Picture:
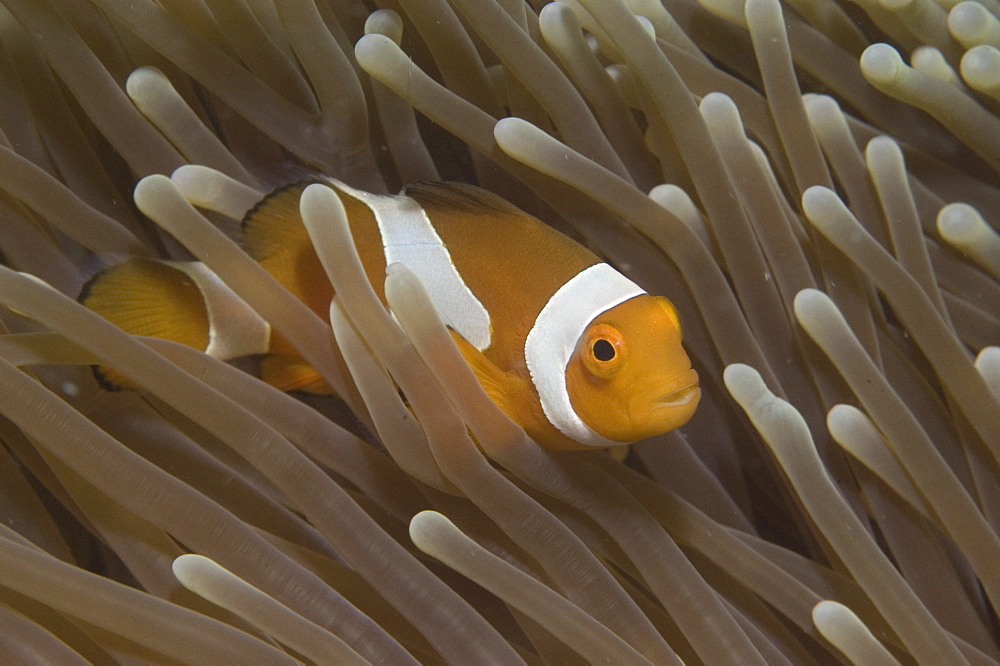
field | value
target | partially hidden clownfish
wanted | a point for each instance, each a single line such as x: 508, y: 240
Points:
x: 567, y: 346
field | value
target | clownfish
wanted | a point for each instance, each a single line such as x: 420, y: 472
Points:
x: 567, y: 346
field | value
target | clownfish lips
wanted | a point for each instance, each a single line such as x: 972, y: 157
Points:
x: 667, y: 406
x: 680, y: 398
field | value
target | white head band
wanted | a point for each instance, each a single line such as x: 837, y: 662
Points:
x: 555, y: 334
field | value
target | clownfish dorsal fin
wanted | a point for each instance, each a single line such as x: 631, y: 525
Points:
x: 459, y: 198
x: 274, y: 224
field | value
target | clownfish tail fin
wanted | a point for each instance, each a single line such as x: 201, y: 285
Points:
x: 291, y: 373
x: 151, y: 298
x: 110, y: 379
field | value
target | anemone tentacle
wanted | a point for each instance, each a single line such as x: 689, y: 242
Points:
x: 814, y: 184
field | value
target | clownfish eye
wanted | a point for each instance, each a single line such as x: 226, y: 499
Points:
x: 603, y: 350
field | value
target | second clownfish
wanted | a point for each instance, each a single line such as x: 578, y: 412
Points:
x: 567, y: 346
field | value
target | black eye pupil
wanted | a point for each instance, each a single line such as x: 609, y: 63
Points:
x: 603, y: 350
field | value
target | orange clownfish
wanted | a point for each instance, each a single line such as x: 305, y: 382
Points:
x: 568, y: 347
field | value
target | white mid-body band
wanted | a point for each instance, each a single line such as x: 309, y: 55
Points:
x: 554, y: 336
x: 409, y: 238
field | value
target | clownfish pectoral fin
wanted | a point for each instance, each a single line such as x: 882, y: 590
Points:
x: 499, y: 385
x: 619, y: 453
x: 291, y: 373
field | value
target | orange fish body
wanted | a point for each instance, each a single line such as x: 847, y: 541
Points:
x: 566, y: 345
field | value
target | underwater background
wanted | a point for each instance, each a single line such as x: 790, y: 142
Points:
x: 814, y: 184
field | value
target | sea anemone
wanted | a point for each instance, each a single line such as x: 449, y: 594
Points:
x: 823, y: 215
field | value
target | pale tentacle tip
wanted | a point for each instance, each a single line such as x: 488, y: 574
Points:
x: 881, y: 63
x: 819, y: 106
x: 717, y: 102
x: 507, y: 128
x: 818, y: 199
x: 153, y: 190
x: 808, y: 297
x: 370, y: 49
x: 317, y: 199
x: 194, y: 178
x: 744, y: 383
x: 812, y: 307
x: 968, y: 21
x: 882, y: 143
x: 385, y: 22
x: 424, y: 525
x: 988, y: 365
x: 980, y: 67
x: 186, y: 566
x: 956, y: 221
x: 142, y: 79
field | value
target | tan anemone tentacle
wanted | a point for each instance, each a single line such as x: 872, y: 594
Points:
x: 151, y: 91
x: 399, y: 122
x: 785, y: 432
x: 106, y: 104
x: 179, y: 509
x: 128, y: 612
x: 282, y: 488
x: 976, y: 126
x: 841, y: 626
x: 438, y: 537
x: 957, y: 513
x: 159, y: 198
x: 952, y: 363
x: 538, y: 149
x: 323, y: 440
x: 206, y: 578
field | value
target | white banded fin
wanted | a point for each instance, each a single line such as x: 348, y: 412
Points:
x: 554, y: 336
x: 409, y: 238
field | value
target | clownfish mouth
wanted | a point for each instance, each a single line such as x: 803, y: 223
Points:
x: 668, y: 405
x: 679, y: 391
x: 680, y: 398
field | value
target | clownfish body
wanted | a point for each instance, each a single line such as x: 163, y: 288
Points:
x: 567, y: 346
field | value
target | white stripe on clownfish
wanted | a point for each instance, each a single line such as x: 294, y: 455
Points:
x: 409, y: 238
x: 554, y: 336
x: 252, y: 336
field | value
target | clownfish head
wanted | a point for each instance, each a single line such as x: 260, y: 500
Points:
x: 629, y: 377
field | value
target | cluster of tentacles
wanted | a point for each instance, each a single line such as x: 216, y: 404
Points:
x: 823, y: 214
